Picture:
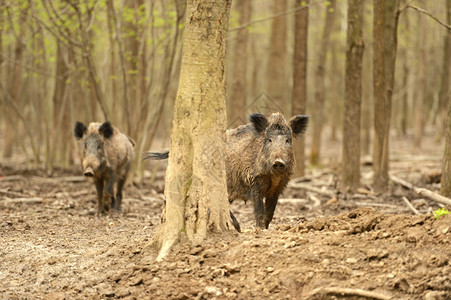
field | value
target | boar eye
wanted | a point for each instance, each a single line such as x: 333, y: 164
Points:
x: 288, y: 141
x: 270, y: 140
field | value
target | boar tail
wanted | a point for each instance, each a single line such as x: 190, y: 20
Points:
x: 156, y: 155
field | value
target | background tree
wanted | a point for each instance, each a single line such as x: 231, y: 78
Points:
x: 445, y: 187
x: 320, y: 86
x: 277, y: 66
x: 353, y: 96
x: 195, y: 191
x: 299, y: 92
x: 385, y: 34
x: 238, y: 89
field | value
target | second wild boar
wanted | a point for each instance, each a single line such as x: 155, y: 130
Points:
x: 107, y: 157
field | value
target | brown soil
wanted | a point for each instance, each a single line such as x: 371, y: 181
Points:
x: 53, y: 246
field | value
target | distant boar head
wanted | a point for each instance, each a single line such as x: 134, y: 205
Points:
x: 277, y: 153
x: 93, y: 160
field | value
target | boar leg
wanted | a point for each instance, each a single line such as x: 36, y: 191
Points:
x: 259, y: 210
x: 270, y: 206
x: 120, y: 186
x: 235, y: 222
x: 108, y: 194
x: 99, y: 187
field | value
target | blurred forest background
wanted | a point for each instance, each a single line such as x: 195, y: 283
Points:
x: 63, y: 61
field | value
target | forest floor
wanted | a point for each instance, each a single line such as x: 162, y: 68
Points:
x: 324, y: 245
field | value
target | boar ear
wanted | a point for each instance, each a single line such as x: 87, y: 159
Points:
x: 79, y: 130
x: 299, y: 124
x: 259, y: 121
x: 106, y: 130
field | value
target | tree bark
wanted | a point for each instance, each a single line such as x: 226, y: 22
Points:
x: 320, y: 86
x: 276, y: 72
x: 353, y: 96
x: 238, y: 91
x: 299, y: 92
x: 196, y: 192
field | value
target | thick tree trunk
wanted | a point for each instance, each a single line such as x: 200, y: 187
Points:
x: 385, y: 28
x: 353, y: 96
x: 445, y: 188
x: 238, y: 91
x: 320, y: 86
x: 196, y: 192
x: 299, y: 93
x: 277, y: 71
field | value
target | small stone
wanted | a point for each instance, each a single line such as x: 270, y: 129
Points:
x: 351, y: 260
x: 391, y: 276
x: 212, y: 290
x: 290, y: 245
x: 269, y: 269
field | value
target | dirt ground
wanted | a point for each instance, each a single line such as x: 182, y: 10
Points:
x: 353, y: 246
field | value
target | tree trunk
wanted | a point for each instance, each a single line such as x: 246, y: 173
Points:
x: 15, y: 86
x: 276, y: 72
x: 61, y: 109
x: 367, y: 83
x: 420, y: 85
x: 445, y: 90
x: 299, y: 92
x: 196, y: 192
x: 320, y: 86
x: 385, y: 28
x: 353, y: 96
x: 238, y: 91
x: 445, y: 187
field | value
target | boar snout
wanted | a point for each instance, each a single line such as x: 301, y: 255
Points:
x: 278, y: 165
x: 89, y: 172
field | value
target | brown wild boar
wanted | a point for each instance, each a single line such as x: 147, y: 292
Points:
x: 259, y: 161
x: 107, y: 158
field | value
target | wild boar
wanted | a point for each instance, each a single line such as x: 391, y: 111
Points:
x: 107, y: 157
x: 259, y: 162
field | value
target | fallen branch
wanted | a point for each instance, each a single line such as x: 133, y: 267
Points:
x: 433, y: 196
x: 347, y: 291
x: 35, y: 200
x: 375, y: 204
x: 292, y: 200
x: 11, y: 193
x: 402, y: 182
x: 415, y: 211
x: 311, y: 189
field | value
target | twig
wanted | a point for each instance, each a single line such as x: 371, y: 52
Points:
x: 252, y: 22
x: 311, y: 188
x: 347, y: 291
x: 316, y: 201
x: 415, y: 211
x: 430, y: 15
x: 402, y: 182
x: 433, y: 196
